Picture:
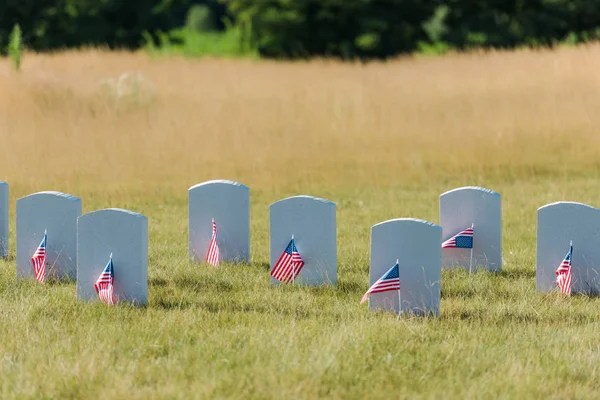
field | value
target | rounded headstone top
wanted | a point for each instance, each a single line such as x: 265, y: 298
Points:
x: 408, y: 220
x: 2, y: 183
x: 218, y: 182
x: 305, y: 197
x: 115, y: 210
x: 483, y: 190
x: 52, y: 193
x: 572, y: 204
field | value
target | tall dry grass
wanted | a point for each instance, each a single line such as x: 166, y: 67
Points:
x: 316, y: 123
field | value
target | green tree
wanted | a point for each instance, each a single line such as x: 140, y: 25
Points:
x: 342, y: 28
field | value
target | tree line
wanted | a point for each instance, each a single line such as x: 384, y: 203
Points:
x: 306, y: 28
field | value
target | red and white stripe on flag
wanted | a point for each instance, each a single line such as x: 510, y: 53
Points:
x: 289, y: 265
x: 104, y: 286
x: 212, y: 256
x: 39, y: 261
x: 563, y: 274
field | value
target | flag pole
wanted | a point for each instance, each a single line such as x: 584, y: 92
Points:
x: 472, y: 243
x: 399, y: 300
x: 292, y: 261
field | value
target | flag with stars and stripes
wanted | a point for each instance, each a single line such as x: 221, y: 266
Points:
x: 563, y: 273
x: 462, y: 240
x: 39, y: 260
x: 105, y: 284
x: 212, y: 256
x: 289, y: 265
x: 388, y: 282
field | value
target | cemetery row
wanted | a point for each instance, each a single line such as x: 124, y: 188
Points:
x: 106, y: 251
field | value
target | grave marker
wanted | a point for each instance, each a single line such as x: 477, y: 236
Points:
x: 558, y: 224
x: 124, y: 234
x: 459, y: 209
x: 57, y: 214
x: 3, y: 219
x: 416, y: 244
x: 312, y: 222
x: 228, y: 203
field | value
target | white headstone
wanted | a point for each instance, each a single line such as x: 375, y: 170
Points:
x: 56, y: 213
x: 459, y: 209
x: 124, y: 234
x: 557, y: 225
x: 312, y: 222
x: 3, y: 219
x: 416, y: 244
x: 228, y: 203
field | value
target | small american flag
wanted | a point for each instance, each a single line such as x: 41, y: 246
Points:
x: 462, y: 240
x: 105, y: 284
x: 289, y: 265
x: 563, y: 273
x: 39, y: 260
x: 212, y: 256
x: 388, y: 282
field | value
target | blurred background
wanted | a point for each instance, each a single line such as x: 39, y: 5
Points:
x: 349, y: 29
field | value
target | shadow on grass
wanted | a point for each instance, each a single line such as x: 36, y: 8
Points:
x: 9, y: 258
x: 173, y: 304
x: 462, y: 292
x: 518, y: 274
x: 158, y: 282
x: 59, y: 281
x: 198, y: 282
x: 218, y: 306
x: 484, y: 316
x: 261, y: 265
x: 295, y: 311
x: 351, y: 287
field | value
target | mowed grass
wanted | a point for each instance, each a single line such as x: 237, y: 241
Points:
x: 382, y: 141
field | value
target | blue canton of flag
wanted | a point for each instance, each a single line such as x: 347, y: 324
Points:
x: 390, y: 281
x: 462, y: 240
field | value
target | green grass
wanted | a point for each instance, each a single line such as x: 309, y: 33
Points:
x: 226, y: 333
x: 190, y: 43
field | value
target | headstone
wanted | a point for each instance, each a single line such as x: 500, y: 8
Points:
x: 312, y: 222
x: 3, y: 219
x: 228, y: 203
x: 416, y: 244
x: 124, y: 234
x: 459, y: 209
x: 56, y: 213
x: 557, y: 225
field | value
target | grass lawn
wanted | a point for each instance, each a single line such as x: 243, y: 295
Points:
x: 382, y: 141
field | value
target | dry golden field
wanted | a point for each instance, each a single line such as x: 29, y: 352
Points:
x: 382, y: 140
x: 297, y: 125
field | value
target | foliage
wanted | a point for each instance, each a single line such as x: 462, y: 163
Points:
x: 287, y: 29
x: 348, y: 29
x: 509, y: 24
x: 71, y: 23
x: 233, y: 42
x: 199, y: 18
x: 380, y: 28
x: 15, y: 47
